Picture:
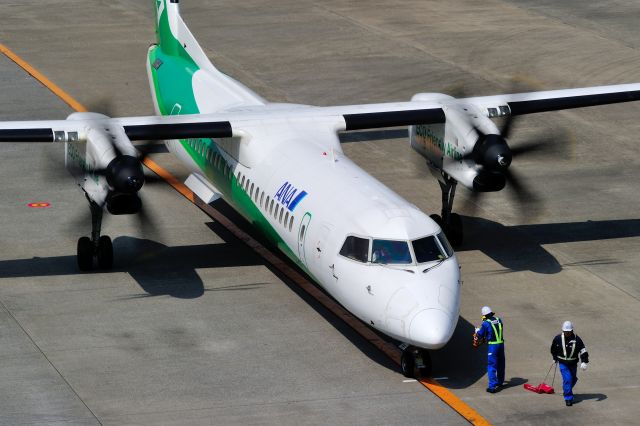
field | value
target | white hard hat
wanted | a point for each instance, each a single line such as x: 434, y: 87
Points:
x: 567, y: 326
x: 486, y: 310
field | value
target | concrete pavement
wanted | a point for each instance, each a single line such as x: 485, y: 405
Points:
x: 128, y: 347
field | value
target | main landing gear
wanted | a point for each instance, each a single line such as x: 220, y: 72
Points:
x: 415, y: 362
x: 451, y: 223
x: 99, y: 247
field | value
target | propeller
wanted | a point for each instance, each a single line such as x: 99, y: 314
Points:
x: 493, y: 153
x: 125, y: 175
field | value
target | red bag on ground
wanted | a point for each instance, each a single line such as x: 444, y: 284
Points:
x: 545, y: 388
x: 542, y: 387
x: 532, y: 388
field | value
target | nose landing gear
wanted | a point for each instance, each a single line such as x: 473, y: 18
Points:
x: 415, y: 362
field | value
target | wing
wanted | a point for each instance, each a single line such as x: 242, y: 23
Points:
x: 554, y: 100
x: 423, y: 109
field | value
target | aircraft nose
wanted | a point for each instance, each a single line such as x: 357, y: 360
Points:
x: 431, y: 328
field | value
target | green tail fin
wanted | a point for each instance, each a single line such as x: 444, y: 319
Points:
x: 167, y: 17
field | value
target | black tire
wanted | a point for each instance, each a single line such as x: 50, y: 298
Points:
x: 85, y: 254
x: 426, y: 360
x: 407, y: 363
x: 454, y: 230
x: 105, y: 252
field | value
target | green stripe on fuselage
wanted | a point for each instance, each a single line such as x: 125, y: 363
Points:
x: 172, y: 82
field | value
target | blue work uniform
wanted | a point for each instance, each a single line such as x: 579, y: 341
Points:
x: 567, y: 352
x: 491, y: 330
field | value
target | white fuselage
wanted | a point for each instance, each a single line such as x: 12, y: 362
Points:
x: 405, y: 301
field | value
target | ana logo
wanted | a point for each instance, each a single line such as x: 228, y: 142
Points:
x: 289, y: 196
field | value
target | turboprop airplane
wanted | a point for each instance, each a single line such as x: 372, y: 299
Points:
x: 280, y: 165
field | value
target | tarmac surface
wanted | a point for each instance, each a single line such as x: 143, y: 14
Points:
x: 191, y: 327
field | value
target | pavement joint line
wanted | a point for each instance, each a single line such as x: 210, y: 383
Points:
x: 41, y: 352
x: 388, y: 348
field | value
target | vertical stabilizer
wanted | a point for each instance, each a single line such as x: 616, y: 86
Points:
x: 182, y: 77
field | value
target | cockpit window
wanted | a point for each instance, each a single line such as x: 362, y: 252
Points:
x: 355, y: 248
x: 390, y: 252
x: 427, y: 250
x: 445, y: 244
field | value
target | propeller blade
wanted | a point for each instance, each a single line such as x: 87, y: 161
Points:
x: 507, y: 126
x: 103, y: 105
x: 529, y: 203
x: 471, y: 203
x: 147, y: 224
x: 557, y: 144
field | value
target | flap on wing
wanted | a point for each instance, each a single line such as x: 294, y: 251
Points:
x: 554, y: 100
x: 376, y: 120
x: 26, y: 135
x: 556, y: 104
x: 214, y: 129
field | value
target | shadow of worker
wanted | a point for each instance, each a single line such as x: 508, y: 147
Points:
x: 579, y: 397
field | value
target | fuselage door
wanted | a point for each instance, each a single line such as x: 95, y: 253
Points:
x: 302, y: 234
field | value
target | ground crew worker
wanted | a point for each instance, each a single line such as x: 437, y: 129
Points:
x: 566, y: 349
x: 491, y: 331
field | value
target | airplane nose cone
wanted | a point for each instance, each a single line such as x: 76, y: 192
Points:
x: 431, y: 328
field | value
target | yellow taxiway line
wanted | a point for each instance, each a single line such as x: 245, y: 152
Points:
x: 387, y: 348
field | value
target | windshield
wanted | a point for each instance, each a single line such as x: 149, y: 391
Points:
x: 390, y: 252
x: 355, y: 248
x: 427, y: 250
x: 445, y: 244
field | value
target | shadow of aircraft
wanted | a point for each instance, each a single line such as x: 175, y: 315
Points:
x: 519, y: 248
x: 458, y: 361
x: 158, y: 269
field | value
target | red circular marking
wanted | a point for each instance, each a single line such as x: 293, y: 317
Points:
x: 40, y: 205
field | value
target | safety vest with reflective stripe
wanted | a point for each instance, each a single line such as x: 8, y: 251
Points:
x: 497, y: 331
x: 571, y: 356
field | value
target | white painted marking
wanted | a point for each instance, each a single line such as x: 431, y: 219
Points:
x: 409, y: 381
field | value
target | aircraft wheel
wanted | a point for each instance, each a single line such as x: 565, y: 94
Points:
x: 425, y: 371
x: 85, y: 254
x: 455, y: 230
x: 105, y: 252
x: 407, y: 363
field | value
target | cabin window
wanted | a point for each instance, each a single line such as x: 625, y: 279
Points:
x: 427, y: 249
x: 291, y: 223
x: 261, y: 198
x: 246, y: 185
x: 251, y: 191
x: 266, y: 203
x: 271, y: 207
x: 275, y: 215
x: 281, y: 212
x: 390, y: 252
x: 286, y: 219
x: 241, y: 182
x: 355, y: 248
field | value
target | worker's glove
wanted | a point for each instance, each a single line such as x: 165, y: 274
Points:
x: 583, y: 366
